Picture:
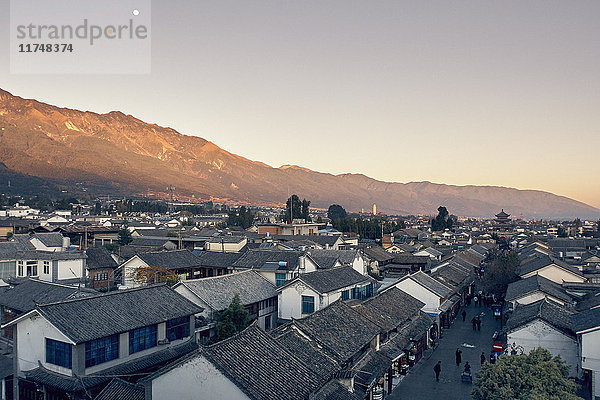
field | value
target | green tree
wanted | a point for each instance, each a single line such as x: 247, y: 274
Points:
x: 533, y: 376
x: 500, y: 272
x: 232, y: 320
x: 293, y: 208
x: 98, y: 208
x: 336, y: 212
x: 305, y: 210
x: 442, y: 220
x: 242, y: 217
x: 561, y: 232
x: 112, y: 247
x: 124, y: 237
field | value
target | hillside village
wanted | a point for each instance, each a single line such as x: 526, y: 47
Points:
x: 121, y: 304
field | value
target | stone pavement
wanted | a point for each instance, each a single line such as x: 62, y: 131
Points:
x: 420, y: 383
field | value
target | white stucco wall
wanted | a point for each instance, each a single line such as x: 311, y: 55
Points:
x: 536, y: 296
x: 557, y: 275
x: 195, y: 379
x: 540, y: 334
x: 590, y: 351
x: 359, y: 264
x: 128, y: 270
x: 66, y: 266
x: 188, y: 294
x: 290, y: 300
x: 431, y: 300
x: 31, y: 343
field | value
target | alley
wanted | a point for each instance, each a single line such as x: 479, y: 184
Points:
x: 420, y: 383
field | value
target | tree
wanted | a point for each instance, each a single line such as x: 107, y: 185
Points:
x: 154, y: 274
x: 124, y: 237
x: 305, y: 210
x: 442, y: 221
x: 535, y: 376
x: 243, y: 217
x: 501, y: 272
x: 336, y: 212
x: 293, y: 208
x: 561, y: 232
x: 98, y: 208
x: 232, y: 320
x: 112, y: 247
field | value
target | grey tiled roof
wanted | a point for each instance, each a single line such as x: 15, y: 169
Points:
x: 173, y: 259
x: 430, y: 283
x: 453, y: 275
x: 403, y: 258
x: 329, y: 280
x: 536, y: 282
x: 314, y: 355
x: 415, y: 329
x: 543, y: 261
x: 89, y: 318
x: 262, y: 368
x: 149, y: 362
x: 51, y: 239
x: 333, y: 390
x: 218, y: 259
x: 378, y: 253
x: 25, y: 294
x: 151, y: 242
x: 346, y: 257
x: 554, y: 314
x: 369, y: 369
x: 390, y: 309
x: 119, y: 389
x: 99, y: 257
x: 219, y: 291
x: 587, y: 319
x: 256, y: 258
x: 343, y: 330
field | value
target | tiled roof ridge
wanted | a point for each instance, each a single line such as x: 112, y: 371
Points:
x: 254, y: 326
x: 113, y: 293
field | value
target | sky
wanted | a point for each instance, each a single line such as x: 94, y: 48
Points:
x: 457, y: 92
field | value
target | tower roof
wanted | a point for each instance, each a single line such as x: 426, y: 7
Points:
x: 502, y: 214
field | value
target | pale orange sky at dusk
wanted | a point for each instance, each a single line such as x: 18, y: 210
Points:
x: 471, y: 92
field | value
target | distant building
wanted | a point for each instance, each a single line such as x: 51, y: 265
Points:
x: 374, y: 209
x: 502, y: 219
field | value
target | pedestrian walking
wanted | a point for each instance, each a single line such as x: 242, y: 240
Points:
x: 437, y: 368
x: 464, y: 315
x: 478, y: 323
x: 474, y: 321
x: 482, y: 358
x: 492, y: 358
x: 476, y: 300
x: 458, y: 357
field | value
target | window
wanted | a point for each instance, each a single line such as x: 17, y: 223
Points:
x: 345, y: 294
x: 46, y: 267
x: 58, y: 353
x: 178, y: 328
x: 308, y: 304
x: 20, y: 268
x: 7, y: 269
x: 279, y: 279
x: 142, y: 338
x: 355, y: 293
x: 268, y: 322
x: 101, y: 350
x: 32, y: 268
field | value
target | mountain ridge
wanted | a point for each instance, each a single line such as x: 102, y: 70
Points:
x: 124, y: 152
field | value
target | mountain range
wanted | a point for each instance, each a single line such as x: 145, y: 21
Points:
x: 122, y: 154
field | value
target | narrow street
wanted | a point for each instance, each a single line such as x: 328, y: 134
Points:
x: 420, y: 383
